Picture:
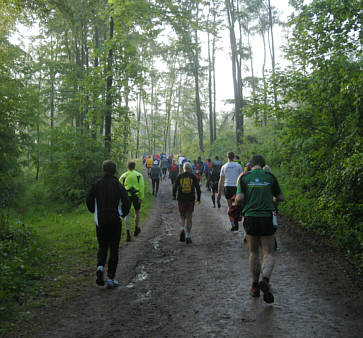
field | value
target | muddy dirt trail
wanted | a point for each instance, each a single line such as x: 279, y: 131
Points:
x: 170, y: 289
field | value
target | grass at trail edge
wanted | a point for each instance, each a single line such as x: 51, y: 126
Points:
x: 49, y: 255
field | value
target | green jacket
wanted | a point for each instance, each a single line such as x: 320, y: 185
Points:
x: 133, y: 182
x: 259, y: 188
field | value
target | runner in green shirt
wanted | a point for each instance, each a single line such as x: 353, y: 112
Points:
x: 256, y: 191
x: 133, y: 182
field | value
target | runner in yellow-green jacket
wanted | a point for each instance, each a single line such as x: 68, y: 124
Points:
x: 133, y: 182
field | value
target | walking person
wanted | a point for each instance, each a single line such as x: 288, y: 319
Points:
x: 217, y: 161
x: 133, y: 182
x: 174, y: 171
x: 212, y: 183
x: 256, y: 191
x: 184, y: 191
x: 208, y: 165
x: 148, y: 164
x: 228, y: 181
x: 201, y: 168
x: 197, y: 171
x: 109, y: 202
x: 155, y: 174
x: 164, y: 166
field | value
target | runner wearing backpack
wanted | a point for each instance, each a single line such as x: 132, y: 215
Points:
x: 184, y: 190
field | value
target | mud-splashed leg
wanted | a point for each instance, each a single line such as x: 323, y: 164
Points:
x: 268, y: 255
x: 254, y: 259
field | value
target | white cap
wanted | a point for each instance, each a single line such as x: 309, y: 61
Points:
x: 156, y: 162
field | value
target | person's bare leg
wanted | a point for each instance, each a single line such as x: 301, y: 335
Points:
x: 268, y: 262
x: 268, y: 255
x: 189, y: 215
x: 254, y: 259
x: 182, y: 231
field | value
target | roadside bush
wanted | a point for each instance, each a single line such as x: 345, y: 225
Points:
x: 73, y: 163
x: 20, y: 265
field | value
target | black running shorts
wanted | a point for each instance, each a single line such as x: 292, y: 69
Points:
x: 229, y: 192
x: 258, y: 226
x: 214, y: 187
x: 135, y: 202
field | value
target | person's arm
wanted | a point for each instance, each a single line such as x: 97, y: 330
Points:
x: 276, y: 191
x: 142, y: 187
x: 90, y: 199
x: 220, y: 186
x: 241, y: 190
x: 175, y: 187
x: 125, y: 201
x: 197, y: 187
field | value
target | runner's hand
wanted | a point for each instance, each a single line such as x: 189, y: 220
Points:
x: 219, y: 196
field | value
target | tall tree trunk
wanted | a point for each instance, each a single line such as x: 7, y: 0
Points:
x: 197, y: 94
x: 210, y: 94
x: 147, y: 127
x: 108, y: 112
x: 138, y: 117
x: 272, y: 50
x: 126, y: 133
x: 264, y: 80
x: 236, y: 75
x: 52, y: 79
x: 214, y: 84
x: 96, y: 63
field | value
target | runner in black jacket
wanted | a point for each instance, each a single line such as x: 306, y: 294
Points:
x: 185, y: 185
x: 109, y: 201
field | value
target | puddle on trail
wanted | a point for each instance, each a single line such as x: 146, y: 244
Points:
x: 165, y: 223
x: 156, y: 242
x: 141, y: 297
x: 141, y: 275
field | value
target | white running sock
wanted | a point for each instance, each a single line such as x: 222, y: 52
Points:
x: 188, y: 235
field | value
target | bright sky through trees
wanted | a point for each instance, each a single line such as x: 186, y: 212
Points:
x: 223, y: 59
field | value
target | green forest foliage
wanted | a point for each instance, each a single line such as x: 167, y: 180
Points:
x: 318, y: 136
x: 80, y: 83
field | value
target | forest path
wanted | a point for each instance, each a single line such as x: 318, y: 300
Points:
x: 170, y: 289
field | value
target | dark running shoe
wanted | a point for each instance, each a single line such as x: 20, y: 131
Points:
x: 128, y: 236
x: 137, y: 231
x: 234, y: 228
x: 255, y: 290
x: 182, y: 236
x: 268, y: 297
x: 188, y: 240
x: 99, y: 273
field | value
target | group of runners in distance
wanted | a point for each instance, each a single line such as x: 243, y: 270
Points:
x: 252, y: 195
